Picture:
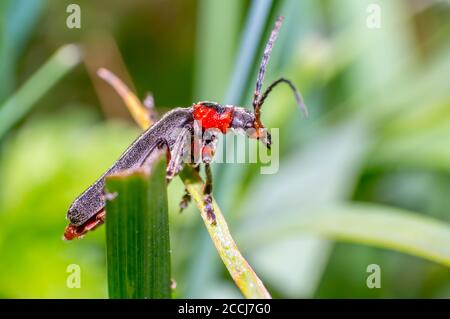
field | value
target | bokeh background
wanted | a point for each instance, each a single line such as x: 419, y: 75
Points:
x: 378, y: 136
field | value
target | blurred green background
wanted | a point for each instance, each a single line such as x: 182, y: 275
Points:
x: 378, y: 136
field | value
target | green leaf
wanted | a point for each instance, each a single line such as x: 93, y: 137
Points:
x: 370, y: 224
x: 19, y: 104
x: 214, y: 66
x: 18, y: 20
x: 137, y: 234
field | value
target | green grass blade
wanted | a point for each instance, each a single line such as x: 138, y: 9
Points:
x: 18, y: 105
x: 137, y: 234
x: 370, y: 224
x: 247, y: 56
x: 247, y: 59
x: 18, y: 20
x: 213, y: 66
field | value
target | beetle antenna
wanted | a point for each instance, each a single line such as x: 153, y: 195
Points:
x: 297, y: 94
x: 262, y: 68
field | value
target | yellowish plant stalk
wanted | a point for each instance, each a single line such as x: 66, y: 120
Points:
x: 241, y: 272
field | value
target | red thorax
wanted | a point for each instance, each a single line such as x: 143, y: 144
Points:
x: 212, y: 117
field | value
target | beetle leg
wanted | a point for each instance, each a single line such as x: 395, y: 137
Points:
x: 177, y: 154
x: 208, y: 151
x: 207, y: 198
x: 185, y: 200
x: 174, y: 154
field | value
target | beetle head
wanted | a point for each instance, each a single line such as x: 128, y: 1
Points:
x: 246, y: 122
